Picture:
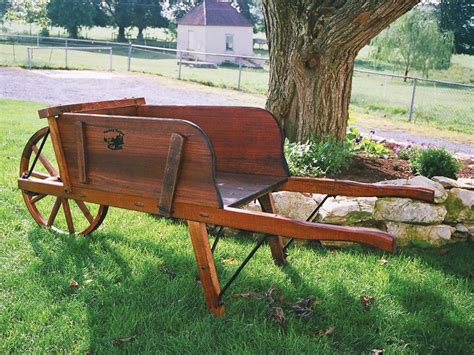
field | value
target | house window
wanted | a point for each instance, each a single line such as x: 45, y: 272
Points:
x: 229, y: 42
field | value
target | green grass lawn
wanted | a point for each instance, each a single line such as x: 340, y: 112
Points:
x: 136, y: 278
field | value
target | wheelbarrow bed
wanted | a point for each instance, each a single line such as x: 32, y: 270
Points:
x: 197, y: 163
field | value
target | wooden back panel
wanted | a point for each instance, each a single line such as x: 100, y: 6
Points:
x: 128, y: 155
x: 246, y: 140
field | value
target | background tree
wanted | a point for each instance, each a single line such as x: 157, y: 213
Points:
x: 147, y: 13
x: 457, y: 16
x: 415, y: 42
x: 121, y: 15
x: 313, y: 45
x: 251, y: 10
x: 176, y: 10
x: 4, y: 6
x: 74, y: 14
x: 30, y: 12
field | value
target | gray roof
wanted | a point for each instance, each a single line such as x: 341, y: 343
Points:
x: 212, y: 13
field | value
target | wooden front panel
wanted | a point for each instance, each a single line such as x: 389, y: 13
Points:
x: 246, y: 140
x: 127, y: 155
x: 54, y: 111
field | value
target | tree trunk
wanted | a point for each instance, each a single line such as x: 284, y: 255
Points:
x: 121, y: 34
x: 73, y: 31
x: 140, y: 34
x: 313, y: 45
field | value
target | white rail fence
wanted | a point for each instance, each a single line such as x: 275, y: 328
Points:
x: 66, y: 50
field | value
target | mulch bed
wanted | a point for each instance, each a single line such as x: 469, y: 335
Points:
x: 366, y: 169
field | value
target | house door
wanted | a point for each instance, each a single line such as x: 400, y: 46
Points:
x: 191, y: 45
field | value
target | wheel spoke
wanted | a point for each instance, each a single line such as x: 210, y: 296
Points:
x: 54, y: 212
x: 48, y: 166
x: 39, y: 175
x: 68, y: 215
x: 85, y: 210
x: 37, y: 198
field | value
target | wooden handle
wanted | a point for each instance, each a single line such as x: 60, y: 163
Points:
x: 355, y: 189
x: 268, y: 223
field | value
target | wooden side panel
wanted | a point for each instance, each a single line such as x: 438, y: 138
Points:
x: 246, y: 140
x: 88, y: 106
x: 127, y: 155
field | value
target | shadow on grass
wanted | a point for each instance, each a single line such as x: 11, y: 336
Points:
x: 455, y: 259
x: 430, y: 314
x: 132, y: 295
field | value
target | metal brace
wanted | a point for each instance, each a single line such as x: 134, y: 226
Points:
x: 309, y: 219
x: 240, y: 268
x: 219, y: 234
x: 255, y: 248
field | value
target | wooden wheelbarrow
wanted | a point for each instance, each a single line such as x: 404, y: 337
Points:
x: 198, y: 163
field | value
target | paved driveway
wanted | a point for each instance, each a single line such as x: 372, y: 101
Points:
x: 71, y: 86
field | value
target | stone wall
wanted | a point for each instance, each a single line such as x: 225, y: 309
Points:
x: 449, y: 219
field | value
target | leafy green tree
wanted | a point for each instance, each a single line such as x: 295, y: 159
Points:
x: 415, y: 42
x: 4, y: 6
x: 147, y: 13
x: 138, y: 13
x: 29, y: 11
x: 75, y: 14
x: 457, y: 16
x: 121, y: 15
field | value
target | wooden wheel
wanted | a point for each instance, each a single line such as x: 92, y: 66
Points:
x: 78, y: 217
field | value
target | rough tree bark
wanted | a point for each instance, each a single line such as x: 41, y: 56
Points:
x: 313, y: 45
x: 121, y: 34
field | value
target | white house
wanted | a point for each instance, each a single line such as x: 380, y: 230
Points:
x: 215, y: 27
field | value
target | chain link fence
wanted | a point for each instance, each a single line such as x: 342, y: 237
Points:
x: 439, y: 103
x: 443, y: 104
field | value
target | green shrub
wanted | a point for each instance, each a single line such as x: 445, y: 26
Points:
x: 361, y: 144
x: 44, y: 32
x: 435, y: 162
x: 409, y: 153
x: 317, y: 157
